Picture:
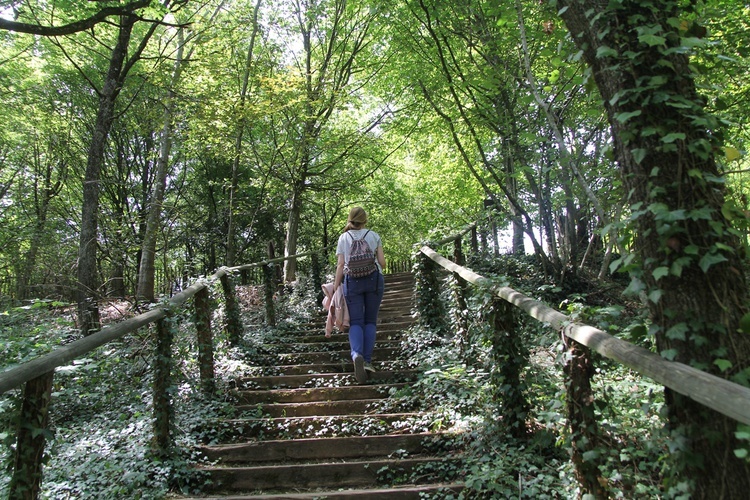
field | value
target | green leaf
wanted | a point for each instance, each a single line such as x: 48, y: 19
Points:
x: 657, y: 81
x: 639, y: 154
x: 635, y: 287
x: 669, y: 138
x: 677, y: 332
x: 660, y: 272
x: 678, y: 265
x: 623, y: 117
x: 731, y: 153
x: 605, y: 51
x: 741, y: 453
x: 655, y: 295
x: 590, y: 455
x: 723, y: 364
x: 691, y: 42
x: 711, y: 259
x: 669, y: 354
x: 652, y: 40
x: 745, y: 323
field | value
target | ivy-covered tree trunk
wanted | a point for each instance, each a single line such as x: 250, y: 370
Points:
x: 685, y: 258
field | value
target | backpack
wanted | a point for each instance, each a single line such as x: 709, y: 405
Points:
x: 361, y: 258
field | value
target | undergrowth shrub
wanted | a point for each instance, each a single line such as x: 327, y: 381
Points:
x: 457, y: 384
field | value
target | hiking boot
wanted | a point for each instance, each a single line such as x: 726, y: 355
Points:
x: 359, y: 369
x: 369, y: 367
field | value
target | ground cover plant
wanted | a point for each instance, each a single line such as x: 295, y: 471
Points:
x: 101, y: 418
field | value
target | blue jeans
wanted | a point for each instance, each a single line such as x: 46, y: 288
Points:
x: 363, y: 297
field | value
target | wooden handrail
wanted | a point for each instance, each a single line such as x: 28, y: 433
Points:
x: 36, y: 376
x: 724, y: 396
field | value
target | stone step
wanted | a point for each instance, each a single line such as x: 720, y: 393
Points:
x: 300, y: 358
x: 407, y: 492
x: 342, y: 474
x: 318, y: 408
x: 385, y: 333
x: 342, y: 366
x: 264, y: 428
x: 385, y: 321
x: 295, y: 450
x: 309, y: 345
x: 315, y: 394
x: 320, y: 379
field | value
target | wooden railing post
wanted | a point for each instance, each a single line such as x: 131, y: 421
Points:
x: 317, y: 277
x: 430, y: 308
x: 27, y: 476
x: 205, y: 341
x: 234, y: 322
x: 269, y: 286
x: 584, y: 431
x: 474, y: 241
x: 509, y: 358
x: 163, y: 364
x: 459, y: 296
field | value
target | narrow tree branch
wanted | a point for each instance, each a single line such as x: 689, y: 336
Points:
x: 74, y: 27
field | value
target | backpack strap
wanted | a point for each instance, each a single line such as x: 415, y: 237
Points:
x: 362, y: 238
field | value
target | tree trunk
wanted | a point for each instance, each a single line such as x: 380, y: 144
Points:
x: 231, y: 228
x: 292, y: 233
x: 664, y: 144
x: 88, y: 282
x: 116, y: 282
x: 43, y: 195
x: 147, y: 266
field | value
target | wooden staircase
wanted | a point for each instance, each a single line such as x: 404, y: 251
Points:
x: 317, y: 434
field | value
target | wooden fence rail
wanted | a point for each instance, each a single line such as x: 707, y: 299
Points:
x: 714, y: 392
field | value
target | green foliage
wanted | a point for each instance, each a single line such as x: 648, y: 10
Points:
x: 430, y: 306
x: 30, y: 331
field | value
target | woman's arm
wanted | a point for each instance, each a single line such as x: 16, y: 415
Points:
x: 339, y: 272
x: 381, y: 257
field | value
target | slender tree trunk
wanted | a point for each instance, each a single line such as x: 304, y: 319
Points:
x: 88, y: 280
x: 44, y: 192
x: 147, y: 266
x: 29, y: 260
x: 292, y: 233
x: 691, y: 270
x: 231, y: 228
